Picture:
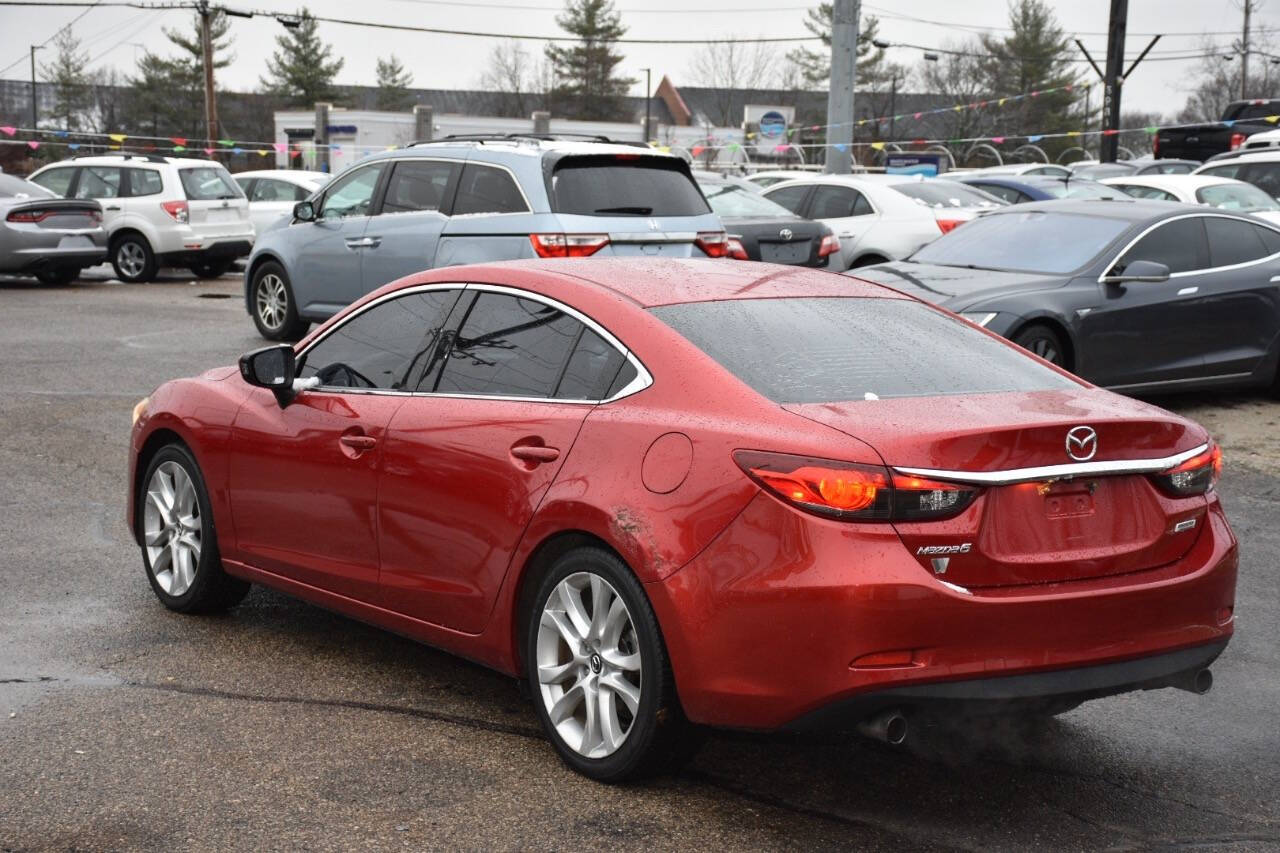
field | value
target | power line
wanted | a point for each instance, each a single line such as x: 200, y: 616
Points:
x: 55, y: 32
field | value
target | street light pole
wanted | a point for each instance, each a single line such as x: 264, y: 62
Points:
x: 35, y: 115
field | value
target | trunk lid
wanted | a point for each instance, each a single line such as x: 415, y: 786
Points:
x: 1047, y: 528
x: 650, y: 236
x: 59, y: 214
x: 215, y: 204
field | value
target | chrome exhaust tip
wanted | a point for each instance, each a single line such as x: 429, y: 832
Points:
x: 888, y: 726
x: 1199, y: 682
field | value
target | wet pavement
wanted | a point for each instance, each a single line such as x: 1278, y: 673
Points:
x: 282, y: 726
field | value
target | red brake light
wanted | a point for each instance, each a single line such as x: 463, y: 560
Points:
x: 829, y: 246
x: 714, y: 243
x: 851, y: 491
x: 29, y: 215
x: 945, y: 225
x: 1196, y: 476
x: 568, y: 245
x: 737, y: 251
x: 1237, y: 139
x: 177, y: 209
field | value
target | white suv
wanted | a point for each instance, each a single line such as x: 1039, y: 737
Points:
x: 159, y: 211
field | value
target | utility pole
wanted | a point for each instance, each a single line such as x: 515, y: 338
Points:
x: 845, y: 15
x: 1244, y: 51
x: 648, y: 97
x: 35, y: 115
x: 1114, y: 77
x: 206, y: 48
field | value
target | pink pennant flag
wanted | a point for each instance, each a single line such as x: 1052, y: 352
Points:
x: 917, y: 116
x: 280, y: 147
x: 997, y: 139
x: 8, y: 130
x: 208, y: 151
x: 33, y: 145
x: 783, y: 147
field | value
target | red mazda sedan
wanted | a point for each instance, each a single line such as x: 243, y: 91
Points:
x: 668, y: 492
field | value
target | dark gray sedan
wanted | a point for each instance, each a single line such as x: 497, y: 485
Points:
x: 1132, y: 295
x: 49, y: 237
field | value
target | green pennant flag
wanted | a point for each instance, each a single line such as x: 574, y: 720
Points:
x: 227, y: 142
x: 1151, y: 129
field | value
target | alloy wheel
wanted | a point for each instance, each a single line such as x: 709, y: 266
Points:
x: 132, y: 258
x: 1045, y: 348
x: 171, y: 527
x: 588, y: 665
x: 272, y: 301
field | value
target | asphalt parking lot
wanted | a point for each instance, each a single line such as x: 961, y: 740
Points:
x: 282, y: 726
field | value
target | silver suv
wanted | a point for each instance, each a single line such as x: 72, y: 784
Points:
x: 464, y: 200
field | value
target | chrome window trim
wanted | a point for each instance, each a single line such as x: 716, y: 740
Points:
x: 1185, y: 273
x: 1056, y: 472
x: 642, y: 380
x: 1161, y: 382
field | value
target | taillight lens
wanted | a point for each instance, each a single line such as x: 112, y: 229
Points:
x: 29, y: 215
x: 737, y: 251
x: 829, y: 246
x: 1197, y: 476
x: 1237, y: 139
x: 852, y: 491
x: 945, y: 225
x: 178, y: 210
x: 568, y: 245
x: 714, y: 243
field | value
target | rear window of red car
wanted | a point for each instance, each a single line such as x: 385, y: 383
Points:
x: 832, y: 349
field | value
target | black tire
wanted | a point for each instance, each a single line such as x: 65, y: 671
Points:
x: 58, y: 275
x: 275, y: 323
x: 659, y: 738
x: 212, y: 269
x: 211, y: 590
x: 1044, y: 342
x: 133, y: 260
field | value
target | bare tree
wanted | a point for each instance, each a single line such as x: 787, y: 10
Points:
x: 1217, y: 83
x: 957, y: 76
x: 729, y: 68
x: 521, y: 81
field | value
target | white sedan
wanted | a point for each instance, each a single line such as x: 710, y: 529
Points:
x: 1223, y: 193
x: 880, y: 218
x: 272, y: 193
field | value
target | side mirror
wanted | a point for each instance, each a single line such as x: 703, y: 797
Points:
x: 304, y: 211
x: 1152, y: 271
x: 272, y: 368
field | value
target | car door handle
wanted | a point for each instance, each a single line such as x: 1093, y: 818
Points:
x: 359, y: 442
x: 362, y: 242
x: 535, y: 453
x: 372, y: 242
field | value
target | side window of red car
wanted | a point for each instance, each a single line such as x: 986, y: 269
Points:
x: 383, y: 347
x: 508, y: 346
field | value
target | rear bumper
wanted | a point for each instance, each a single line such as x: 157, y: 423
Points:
x: 34, y: 260
x: 1037, y: 689
x: 222, y: 250
x: 775, y: 620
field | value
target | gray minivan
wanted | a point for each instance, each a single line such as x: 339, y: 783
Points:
x: 467, y: 200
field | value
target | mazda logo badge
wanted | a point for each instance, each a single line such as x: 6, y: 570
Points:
x: 785, y: 233
x: 1082, y: 443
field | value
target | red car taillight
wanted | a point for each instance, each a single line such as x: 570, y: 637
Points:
x: 178, y: 210
x: 29, y: 215
x: 945, y: 225
x: 1237, y: 139
x: 714, y: 243
x: 737, y: 251
x: 829, y: 246
x: 568, y: 245
x: 1196, y: 476
x: 851, y: 491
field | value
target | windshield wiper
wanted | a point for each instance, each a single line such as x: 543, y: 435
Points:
x: 635, y: 211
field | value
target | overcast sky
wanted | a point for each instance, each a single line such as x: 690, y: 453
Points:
x: 116, y: 36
